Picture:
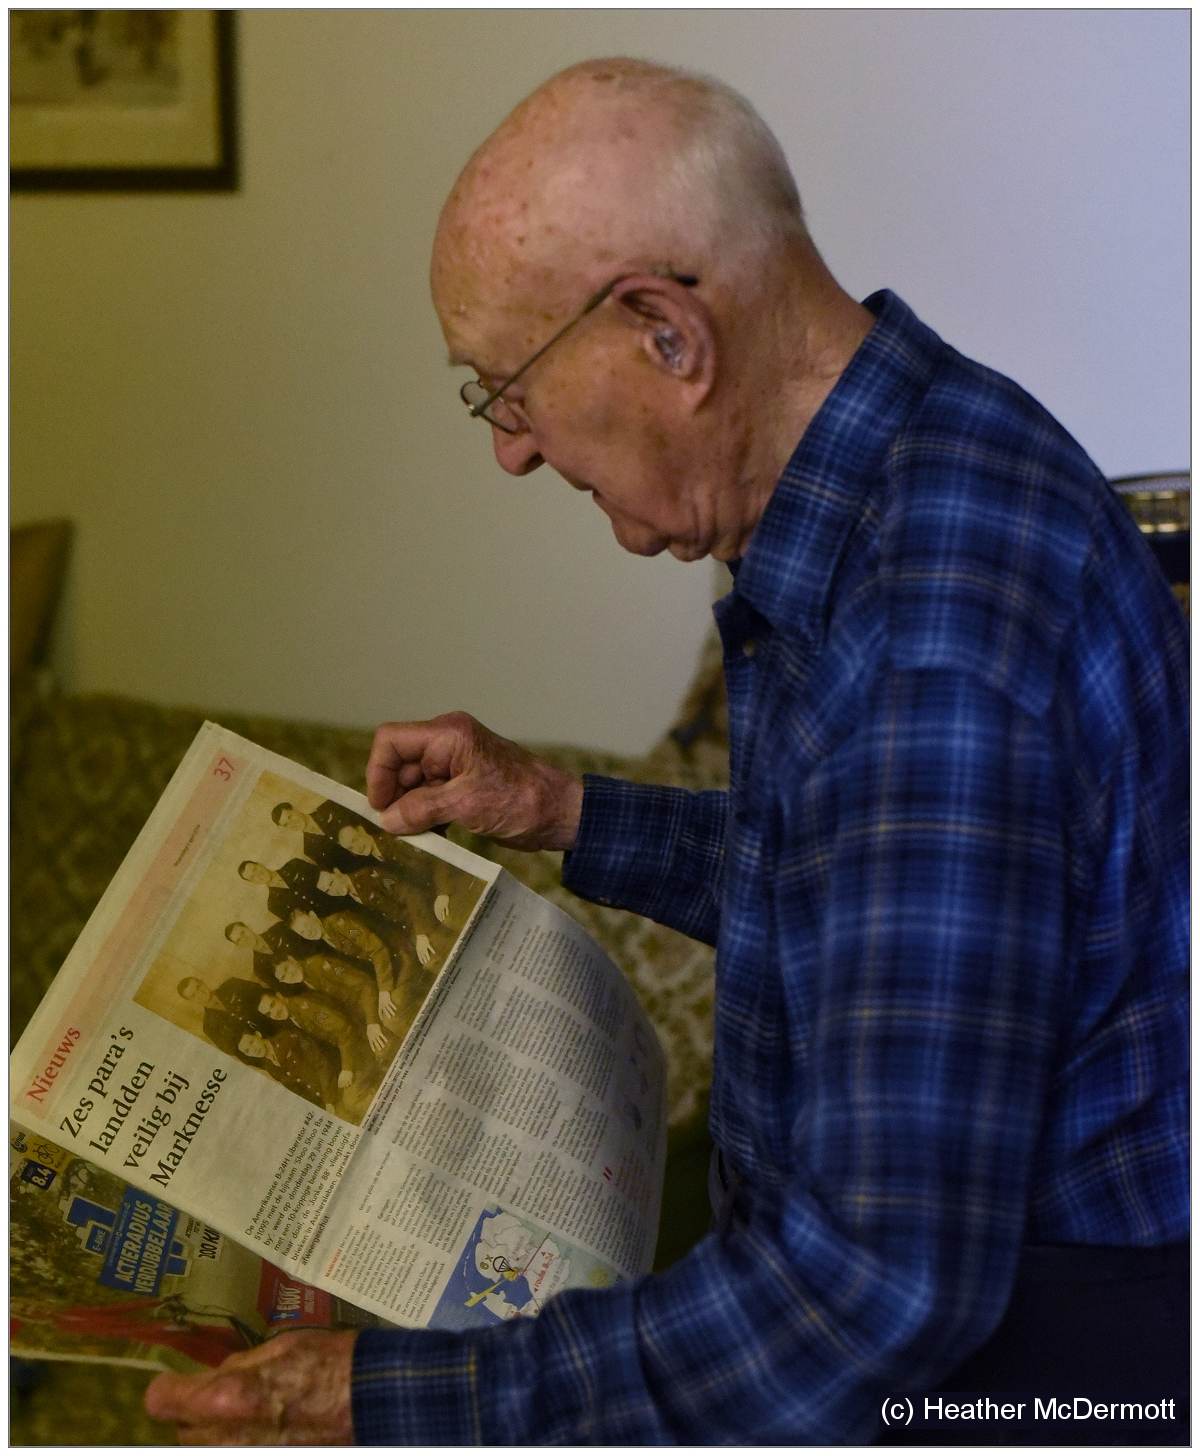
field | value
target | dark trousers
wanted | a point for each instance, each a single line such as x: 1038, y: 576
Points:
x: 1085, y: 1328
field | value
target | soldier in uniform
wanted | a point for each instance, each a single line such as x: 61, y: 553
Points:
x: 390, y: 895
x: 328, y: 1022
x: 452, y: 892
x: 236, y: 997
x: 402, y: 983
x: 290, y: 1056
x: 267, y: 945
x: 298, y: 876
x: 341, y: 980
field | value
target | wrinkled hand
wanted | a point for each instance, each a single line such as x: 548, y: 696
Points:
x: 292, y: 1391
x: 377, y: 1037
x: 454, y: 770
x: 441, y: 908
x: 345, y: 1078
x: 425, y: 951
x: 387, y: 1007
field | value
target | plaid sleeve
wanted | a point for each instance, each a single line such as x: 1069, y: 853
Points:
x: 655, y: 851
x: 415, y: 1387
x: 921, y: 1040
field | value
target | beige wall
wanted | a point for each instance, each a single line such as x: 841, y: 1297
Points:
x: 241, y: 398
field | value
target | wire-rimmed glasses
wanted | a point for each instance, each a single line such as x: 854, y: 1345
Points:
x: 491, y: 406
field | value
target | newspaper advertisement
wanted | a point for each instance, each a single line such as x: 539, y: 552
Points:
x: 379, y: 1063
x: 103, y: 1273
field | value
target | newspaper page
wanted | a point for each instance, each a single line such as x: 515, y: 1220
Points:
x: 102, y: 1273
x: 379, y: 1063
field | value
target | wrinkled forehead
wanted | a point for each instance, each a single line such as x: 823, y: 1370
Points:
x: 507, y: 261
x: 495, y: 307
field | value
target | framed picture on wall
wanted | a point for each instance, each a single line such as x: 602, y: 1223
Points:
x: 121, y: 100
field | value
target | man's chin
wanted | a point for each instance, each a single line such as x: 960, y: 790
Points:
x: 686, y: 551
x: 637, y: 539
x: 645, y: 543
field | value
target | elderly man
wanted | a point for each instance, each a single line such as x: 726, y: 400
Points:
x: 947, y: 884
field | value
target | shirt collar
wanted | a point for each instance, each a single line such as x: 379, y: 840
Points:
x: 789, y: 564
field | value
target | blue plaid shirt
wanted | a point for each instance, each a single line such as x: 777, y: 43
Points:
x: 947, y: 887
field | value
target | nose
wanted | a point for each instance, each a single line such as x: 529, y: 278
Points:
x: 517, y: 454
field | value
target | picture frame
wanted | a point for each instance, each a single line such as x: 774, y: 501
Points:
x: 122, y: 100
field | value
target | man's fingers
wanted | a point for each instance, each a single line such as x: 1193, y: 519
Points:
x: 404, y: 755
x: 397, y: 749
x: 453, y: 770
x: 410, y: 776
x: 418, y: 810
x: 225, y: 1395
x: 172, y: 1397
x: 230, y: 1436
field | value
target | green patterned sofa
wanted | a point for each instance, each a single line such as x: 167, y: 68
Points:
x: 86, y: 772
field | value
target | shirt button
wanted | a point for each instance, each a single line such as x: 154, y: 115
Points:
x: 749, y: 647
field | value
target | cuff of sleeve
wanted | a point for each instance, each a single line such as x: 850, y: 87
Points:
x: 415, y: 1388
x: 615, y: 835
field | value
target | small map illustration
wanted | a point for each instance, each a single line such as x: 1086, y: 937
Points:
x: 508, y: 1269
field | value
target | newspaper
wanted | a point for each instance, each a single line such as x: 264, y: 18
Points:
x: 101, y: 1272
x: 381, y: 1064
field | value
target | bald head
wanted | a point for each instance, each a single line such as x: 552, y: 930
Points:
x: 664, y: 197
x: 618, y: 164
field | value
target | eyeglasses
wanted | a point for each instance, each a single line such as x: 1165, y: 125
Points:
x: 490, y: 405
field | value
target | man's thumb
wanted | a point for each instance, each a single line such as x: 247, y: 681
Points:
x: 416, y: 811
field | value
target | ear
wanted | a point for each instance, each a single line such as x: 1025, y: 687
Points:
x: 675, y: 328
